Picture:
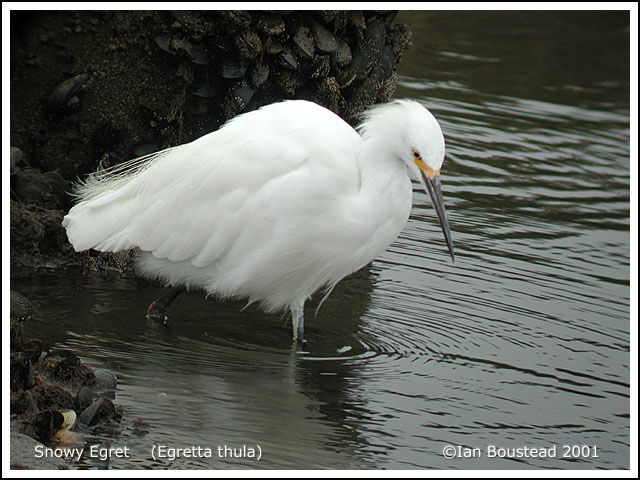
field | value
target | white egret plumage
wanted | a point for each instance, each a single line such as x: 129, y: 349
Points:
x: 276, y: 204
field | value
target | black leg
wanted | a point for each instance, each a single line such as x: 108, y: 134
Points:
x: 157, y: 309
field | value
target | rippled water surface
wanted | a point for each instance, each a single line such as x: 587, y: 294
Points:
x: 523, y: 341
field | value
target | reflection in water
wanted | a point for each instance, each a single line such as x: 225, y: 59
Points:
x: 217, y: 369
x: 524, y: 341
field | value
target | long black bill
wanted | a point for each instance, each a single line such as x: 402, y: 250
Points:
x: 435, y: 192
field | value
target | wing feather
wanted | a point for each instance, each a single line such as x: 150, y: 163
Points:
x: 220, y: 197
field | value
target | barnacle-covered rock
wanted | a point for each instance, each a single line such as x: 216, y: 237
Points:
x: 205, y: 90
x: 163, y: 40
x: 183, y: 48
x: 259, y: 75
x: 241, y: 95
x: 399, y: 36
x: 64, y: 366
x: 288, y: 59
x: 341, y: 56
x: 273, y: 46
x: 231, y: 66
x: 48, y: 189
x: 367, y: 52
x: 325, y: 41
x: 21, y: 372
x: 320, y: 67
x: 356, y: 18
x: 304, y: 42
x: 248, y: 44
x: 271, y: 24
x: 187, y: 73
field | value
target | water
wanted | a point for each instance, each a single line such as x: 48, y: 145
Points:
x: 522, y: 342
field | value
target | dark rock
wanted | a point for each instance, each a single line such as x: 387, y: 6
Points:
x: 288, y: 59
x: 327, y: 16
x: 195, y: 53
x: 237, y: 18
x: 248, y: 44
x: 241, y: 95
x: 304, y: 42
x: 31, y: 347
x: 231, y: 67
x: 22, y: 401
x: 289, y: 82
x: 356, y: 18
x: 328, y: 93
x: 342, y: 55
x: 16, y: 335
x: 50, y: 396
x: 185, y: 72
x: 259, y: 75
x: 21, y: 372
x: 41, y: 425
x: 369, y: 50
x: 108, y: 159
x: 325, y: 41
x: 106, y: 380
x: 196, y: 24
x: 205, y: 90
x: 384, y: 67
x: 210, y: 88
x: 345, y: 76
x: 399, y: 38
x: 48, y: 189
x: 37, y: 231
x: 99, y: 411
x: 57, y: 101
x: 271, y: 24
x: 273, y: 46
x: 64, y: 365
x: 163, y: 40
x: 183, y: 48
x: 84, y: 398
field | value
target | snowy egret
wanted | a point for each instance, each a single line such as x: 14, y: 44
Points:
x: 276, y: 204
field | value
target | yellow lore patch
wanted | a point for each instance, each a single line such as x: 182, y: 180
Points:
x: 426, y: 169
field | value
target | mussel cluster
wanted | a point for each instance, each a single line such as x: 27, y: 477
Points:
x: 48, y: 388
x: 241, y: 60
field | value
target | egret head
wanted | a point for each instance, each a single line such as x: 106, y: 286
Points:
x: 414, y: 135
x: 424, y: 157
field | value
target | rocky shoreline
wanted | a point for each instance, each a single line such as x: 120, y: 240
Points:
x: 92, y: 89
x: 55, y: 399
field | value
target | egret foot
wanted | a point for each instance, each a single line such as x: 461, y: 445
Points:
x: 156, y: 316
x: 157, y: 310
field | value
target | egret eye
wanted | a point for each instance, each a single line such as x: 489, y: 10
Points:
x: 416, y: 154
